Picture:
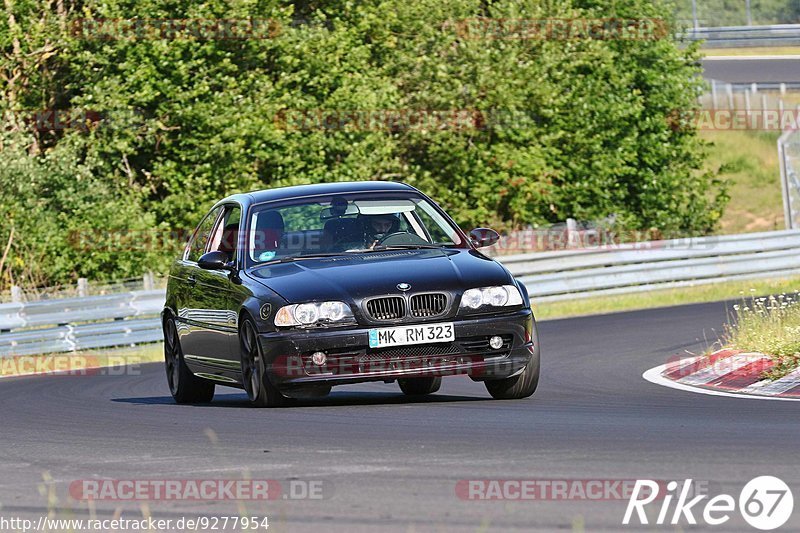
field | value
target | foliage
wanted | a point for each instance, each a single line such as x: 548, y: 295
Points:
x: 557, y: 128
x: 768, y: 325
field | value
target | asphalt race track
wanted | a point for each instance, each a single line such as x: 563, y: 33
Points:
x: 756, y: 69
x: 390, y: 463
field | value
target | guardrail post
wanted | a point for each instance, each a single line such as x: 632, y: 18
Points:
x: 148, y: 281
x: 787, y: 202
x: 83, y: 287
x: 572, y: 233
x: 729, y: 90
x: 714, y: 103
x: 16, y: 294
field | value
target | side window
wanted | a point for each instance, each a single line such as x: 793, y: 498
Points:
x: 197, y: 246
x: 226, y: 235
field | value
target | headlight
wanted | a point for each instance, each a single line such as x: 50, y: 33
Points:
x: 333, y: 311
x: 472, y: 298
x: 308, y: 314
x: 503, y: 296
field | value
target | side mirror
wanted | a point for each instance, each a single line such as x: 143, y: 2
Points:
x: 214, y: 261
x: 482, y: 237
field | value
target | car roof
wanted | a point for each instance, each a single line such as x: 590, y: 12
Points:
x: 299, y: 191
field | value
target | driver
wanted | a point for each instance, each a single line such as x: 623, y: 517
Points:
x: 379, y: 226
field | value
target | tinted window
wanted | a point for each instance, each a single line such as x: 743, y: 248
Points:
x: 226, y: 234
x: 346, y: 223
x: 199, y: 242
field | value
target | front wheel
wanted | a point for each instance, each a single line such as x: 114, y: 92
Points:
x: 254, y: 376
x: 517, y: 387
x: 419, y: 386
x: 184, y: 386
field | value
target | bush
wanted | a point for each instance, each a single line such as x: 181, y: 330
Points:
x: 557, y: 128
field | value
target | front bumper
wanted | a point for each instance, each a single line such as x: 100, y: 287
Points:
x: 287, y: 354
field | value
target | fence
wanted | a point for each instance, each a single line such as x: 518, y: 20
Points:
x: 789, y: 160
x: 132, y: 317
x: 697, y: 13
x: 82, y: 289
x: 748, y: 97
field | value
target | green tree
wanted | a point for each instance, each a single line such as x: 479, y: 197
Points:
x: 554, y: 128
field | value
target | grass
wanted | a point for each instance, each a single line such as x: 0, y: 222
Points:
x: 769, y: 325
x: 79, y: 362
x: 754, y: 51
x: 748, y: 162
x: 662, y: 298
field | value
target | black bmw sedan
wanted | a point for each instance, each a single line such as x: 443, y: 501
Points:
x: 288, y: 292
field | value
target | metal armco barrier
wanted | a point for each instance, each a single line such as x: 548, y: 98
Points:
x: 636, y: 267
x: 132, y: 317
x: 742, y: 36
x: 81, y: 323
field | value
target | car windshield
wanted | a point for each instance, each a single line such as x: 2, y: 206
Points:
x: 345, y: 223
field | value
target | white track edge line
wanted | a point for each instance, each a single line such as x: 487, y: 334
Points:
x: 654, y: 376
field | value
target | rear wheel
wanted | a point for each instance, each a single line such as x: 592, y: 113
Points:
x: 519, y: 386
x: 254, y: 376
x: 419, y: 386
x: 184, y: 386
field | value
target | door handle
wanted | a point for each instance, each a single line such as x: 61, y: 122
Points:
x: 192, y: 280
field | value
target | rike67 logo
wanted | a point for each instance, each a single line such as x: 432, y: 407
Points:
x: 765, y: 503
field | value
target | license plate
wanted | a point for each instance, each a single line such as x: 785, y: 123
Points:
x: 417, y: 334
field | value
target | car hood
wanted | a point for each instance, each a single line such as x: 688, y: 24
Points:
x: 356, y: 276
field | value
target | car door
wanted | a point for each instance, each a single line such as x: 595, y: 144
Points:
x: 216, y: 307
x: 198, y: 308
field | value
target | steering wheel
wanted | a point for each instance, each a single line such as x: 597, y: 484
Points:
x: 400, y: 237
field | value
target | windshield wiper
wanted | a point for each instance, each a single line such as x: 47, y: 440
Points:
x: 407, y: 247
x: 298, y: 257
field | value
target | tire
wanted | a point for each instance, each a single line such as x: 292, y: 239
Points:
x: 254, y: 376
x: 419, y: 386
x: 184, y: 386
x: 519, y: 386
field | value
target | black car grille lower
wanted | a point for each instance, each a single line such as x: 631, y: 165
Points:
x: 387, y: 308
x: 420, y: 357
x: 427, y: 305
x: 422, y: 350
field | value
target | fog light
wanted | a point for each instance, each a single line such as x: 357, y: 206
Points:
x: 496, y: 342
x: 318, y: 358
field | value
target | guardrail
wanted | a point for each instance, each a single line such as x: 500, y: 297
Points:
x: 108, y: 320
x: 743, y: 36
x: 628, y: 268
x: 131, y: 317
